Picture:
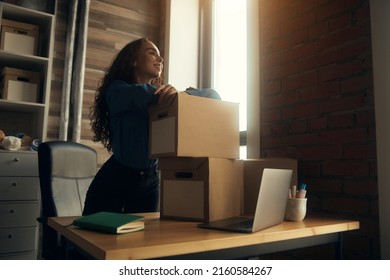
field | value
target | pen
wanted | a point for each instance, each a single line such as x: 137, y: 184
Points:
x: 302, y: 190
x: 294, y: 191
x: 302, y: 193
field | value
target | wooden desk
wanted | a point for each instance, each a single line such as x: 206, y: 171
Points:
x: 184, y: 240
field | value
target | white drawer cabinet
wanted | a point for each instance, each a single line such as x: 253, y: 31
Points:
x: 19, y: 204
x: 18, y: 240
x: 22, y: 163
x: 19, y: 188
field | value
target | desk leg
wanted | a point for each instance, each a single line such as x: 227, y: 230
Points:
x: 339, y: 247
x: 65, y: 247
x: 72, y: 252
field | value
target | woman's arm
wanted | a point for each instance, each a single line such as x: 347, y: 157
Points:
x: 122, y: 97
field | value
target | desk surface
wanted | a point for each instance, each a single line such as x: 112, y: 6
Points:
x: 167, y: 238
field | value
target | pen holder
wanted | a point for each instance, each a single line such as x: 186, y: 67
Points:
x: 295, y: 209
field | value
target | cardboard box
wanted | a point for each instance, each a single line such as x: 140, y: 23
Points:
x: 19, y: 85
x: 253, y: 172
x: 201, y: 189
x: 19, y: 37
x: 194, y: 126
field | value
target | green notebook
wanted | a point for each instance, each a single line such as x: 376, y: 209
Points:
x: 111, y: 222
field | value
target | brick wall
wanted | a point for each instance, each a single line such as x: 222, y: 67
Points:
x: 317, y: 106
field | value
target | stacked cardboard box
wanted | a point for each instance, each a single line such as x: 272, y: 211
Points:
x: 193, y: 126
x: 201, y: 188
x: 197, y: 143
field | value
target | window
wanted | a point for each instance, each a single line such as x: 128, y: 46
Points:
x: 229, y: 59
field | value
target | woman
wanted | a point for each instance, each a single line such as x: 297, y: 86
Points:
x: 128, y: 181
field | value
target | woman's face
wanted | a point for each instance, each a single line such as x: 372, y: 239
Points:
x: 148, y: 64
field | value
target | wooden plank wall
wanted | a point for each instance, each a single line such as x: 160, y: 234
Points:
x: 112, y: 24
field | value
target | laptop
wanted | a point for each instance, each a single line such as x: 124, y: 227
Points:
x: 270, y: 207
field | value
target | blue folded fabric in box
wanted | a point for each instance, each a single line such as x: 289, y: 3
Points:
x: 205, y: 92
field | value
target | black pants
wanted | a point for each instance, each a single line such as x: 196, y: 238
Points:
x: 118, y: 188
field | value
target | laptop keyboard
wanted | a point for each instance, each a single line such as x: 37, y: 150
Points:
x: 244, y: 224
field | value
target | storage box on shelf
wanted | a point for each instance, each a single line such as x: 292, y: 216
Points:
x: 19, y: 85
x: 201, y: 189
x: 19, y: 37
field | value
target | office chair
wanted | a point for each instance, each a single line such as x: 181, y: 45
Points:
x: 66, y: 170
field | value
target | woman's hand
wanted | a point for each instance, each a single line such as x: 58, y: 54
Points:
x: 166, y: 93
x: 167, y: 88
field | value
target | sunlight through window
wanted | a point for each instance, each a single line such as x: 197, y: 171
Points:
x: 230, y: 55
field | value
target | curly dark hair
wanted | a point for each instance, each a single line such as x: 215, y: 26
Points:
x: 121, y: 69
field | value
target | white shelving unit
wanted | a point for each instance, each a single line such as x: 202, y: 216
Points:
x: 19, y: 178
x: 28, y: 117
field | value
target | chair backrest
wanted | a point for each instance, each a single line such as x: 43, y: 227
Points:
x: 66, y: 170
